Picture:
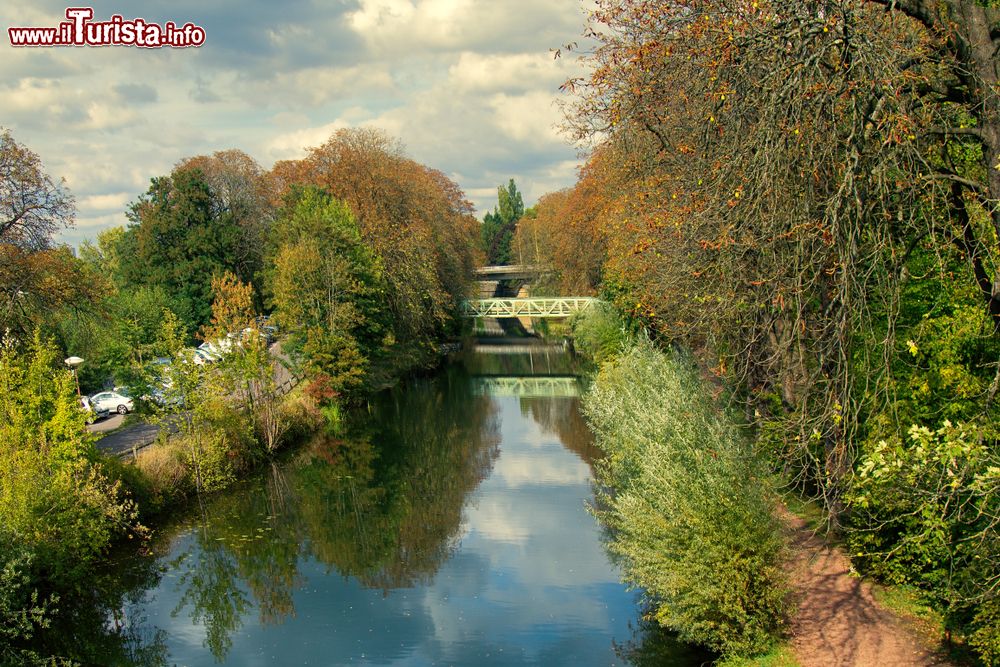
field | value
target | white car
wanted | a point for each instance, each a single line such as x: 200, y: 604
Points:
x: 112, y: 401
x: 92, y: 414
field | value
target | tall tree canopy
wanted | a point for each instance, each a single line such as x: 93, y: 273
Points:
x: 35, y: 277
x: 32, y: 206
x: 327, y: 288
x: 416, y: 220
x: 780, y: 163
x: 243, y: 190
x: 179, y: 239
x: 499, y: 226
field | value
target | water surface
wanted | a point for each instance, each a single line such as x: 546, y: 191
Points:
x: 447, y: 525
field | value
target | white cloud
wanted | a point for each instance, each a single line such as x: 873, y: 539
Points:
x: 466, y: 85
x: 116, y: 201
x: 530, y: 118
x: 106, y: 116
x: 508, y: 72
x: 395, y: 26
x: 293, y: 145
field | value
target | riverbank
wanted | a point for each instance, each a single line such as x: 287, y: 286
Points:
x: 827, y: 615
x: 443, y: 523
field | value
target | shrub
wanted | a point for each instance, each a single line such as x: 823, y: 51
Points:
x: 688, y: 504
x: 22, y: 612
x: 55, y: 499
x: 926, y: 510
x: 599, y: 333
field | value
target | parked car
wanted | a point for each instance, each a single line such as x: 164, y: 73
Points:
x: 202, y: 356
x: 217, y: 349
x: 112, y: 401
x: 92, y: 413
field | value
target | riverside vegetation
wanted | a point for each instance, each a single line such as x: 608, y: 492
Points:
x: 804, y: 195
x: 359, y: 254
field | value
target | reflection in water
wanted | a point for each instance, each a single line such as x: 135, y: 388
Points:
x: 442, y: 525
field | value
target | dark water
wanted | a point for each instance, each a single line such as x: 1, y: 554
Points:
x: 444, y: 526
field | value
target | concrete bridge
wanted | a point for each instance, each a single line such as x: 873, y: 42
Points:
x: 511, y: 272
x: 526, y: 307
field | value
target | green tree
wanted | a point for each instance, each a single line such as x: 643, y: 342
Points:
x: 326, y: 288
x: 499, y: 227
x: 54, y: 497
x: 179, y: 239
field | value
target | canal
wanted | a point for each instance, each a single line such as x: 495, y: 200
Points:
x: 446, y: 524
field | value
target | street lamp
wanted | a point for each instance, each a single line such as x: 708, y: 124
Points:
x: 74, y: 363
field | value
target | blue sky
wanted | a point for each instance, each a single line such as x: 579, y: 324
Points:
x: 468, y: 86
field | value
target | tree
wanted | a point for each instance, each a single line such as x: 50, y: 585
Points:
x: 32, y: 207
x: 232, y: 307
x: 34, y: 276
x: 965, y: 38
x: 54, y: 498
x: 179, y: 239
x: 243, y: 190
x: 34, y: 283
x: 797, y: 188
x: 785, y: 160
x: 416, y: 221
x: 499, y: 226
x: 326, y: 288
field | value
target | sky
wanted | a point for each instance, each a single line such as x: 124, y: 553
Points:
x: 468, y: 86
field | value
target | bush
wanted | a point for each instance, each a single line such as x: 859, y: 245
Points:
x: 55, y: 499
x: 599, y: 333
x: 688, y: 504
x: 925, y: 510
x: 22, y: 612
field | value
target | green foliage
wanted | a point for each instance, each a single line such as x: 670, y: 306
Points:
x: 179, y: 238
x: 499, y: 227
x: 985, y: 635
x: 327, y: 288
x: 689, y: 505
x: 122, y: 336
x: 54, y: 498
x: 22, y: 611
x: 926, y: 511
x: 599, y: 333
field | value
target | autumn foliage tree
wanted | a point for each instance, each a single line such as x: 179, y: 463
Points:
x: 35, y: 276
x: 416, y: 221
x: 806, y: 194
x: 785, y: 159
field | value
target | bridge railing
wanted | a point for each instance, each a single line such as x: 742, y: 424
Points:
x: 529, y: 307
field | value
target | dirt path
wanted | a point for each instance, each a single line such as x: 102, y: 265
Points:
x: 838, y: 622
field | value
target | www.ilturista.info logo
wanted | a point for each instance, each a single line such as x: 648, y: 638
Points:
x: 79, y: 30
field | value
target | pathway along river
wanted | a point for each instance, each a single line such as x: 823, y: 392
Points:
x: 447, y: 525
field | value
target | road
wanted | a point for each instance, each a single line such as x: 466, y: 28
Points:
x: 135, y: 436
